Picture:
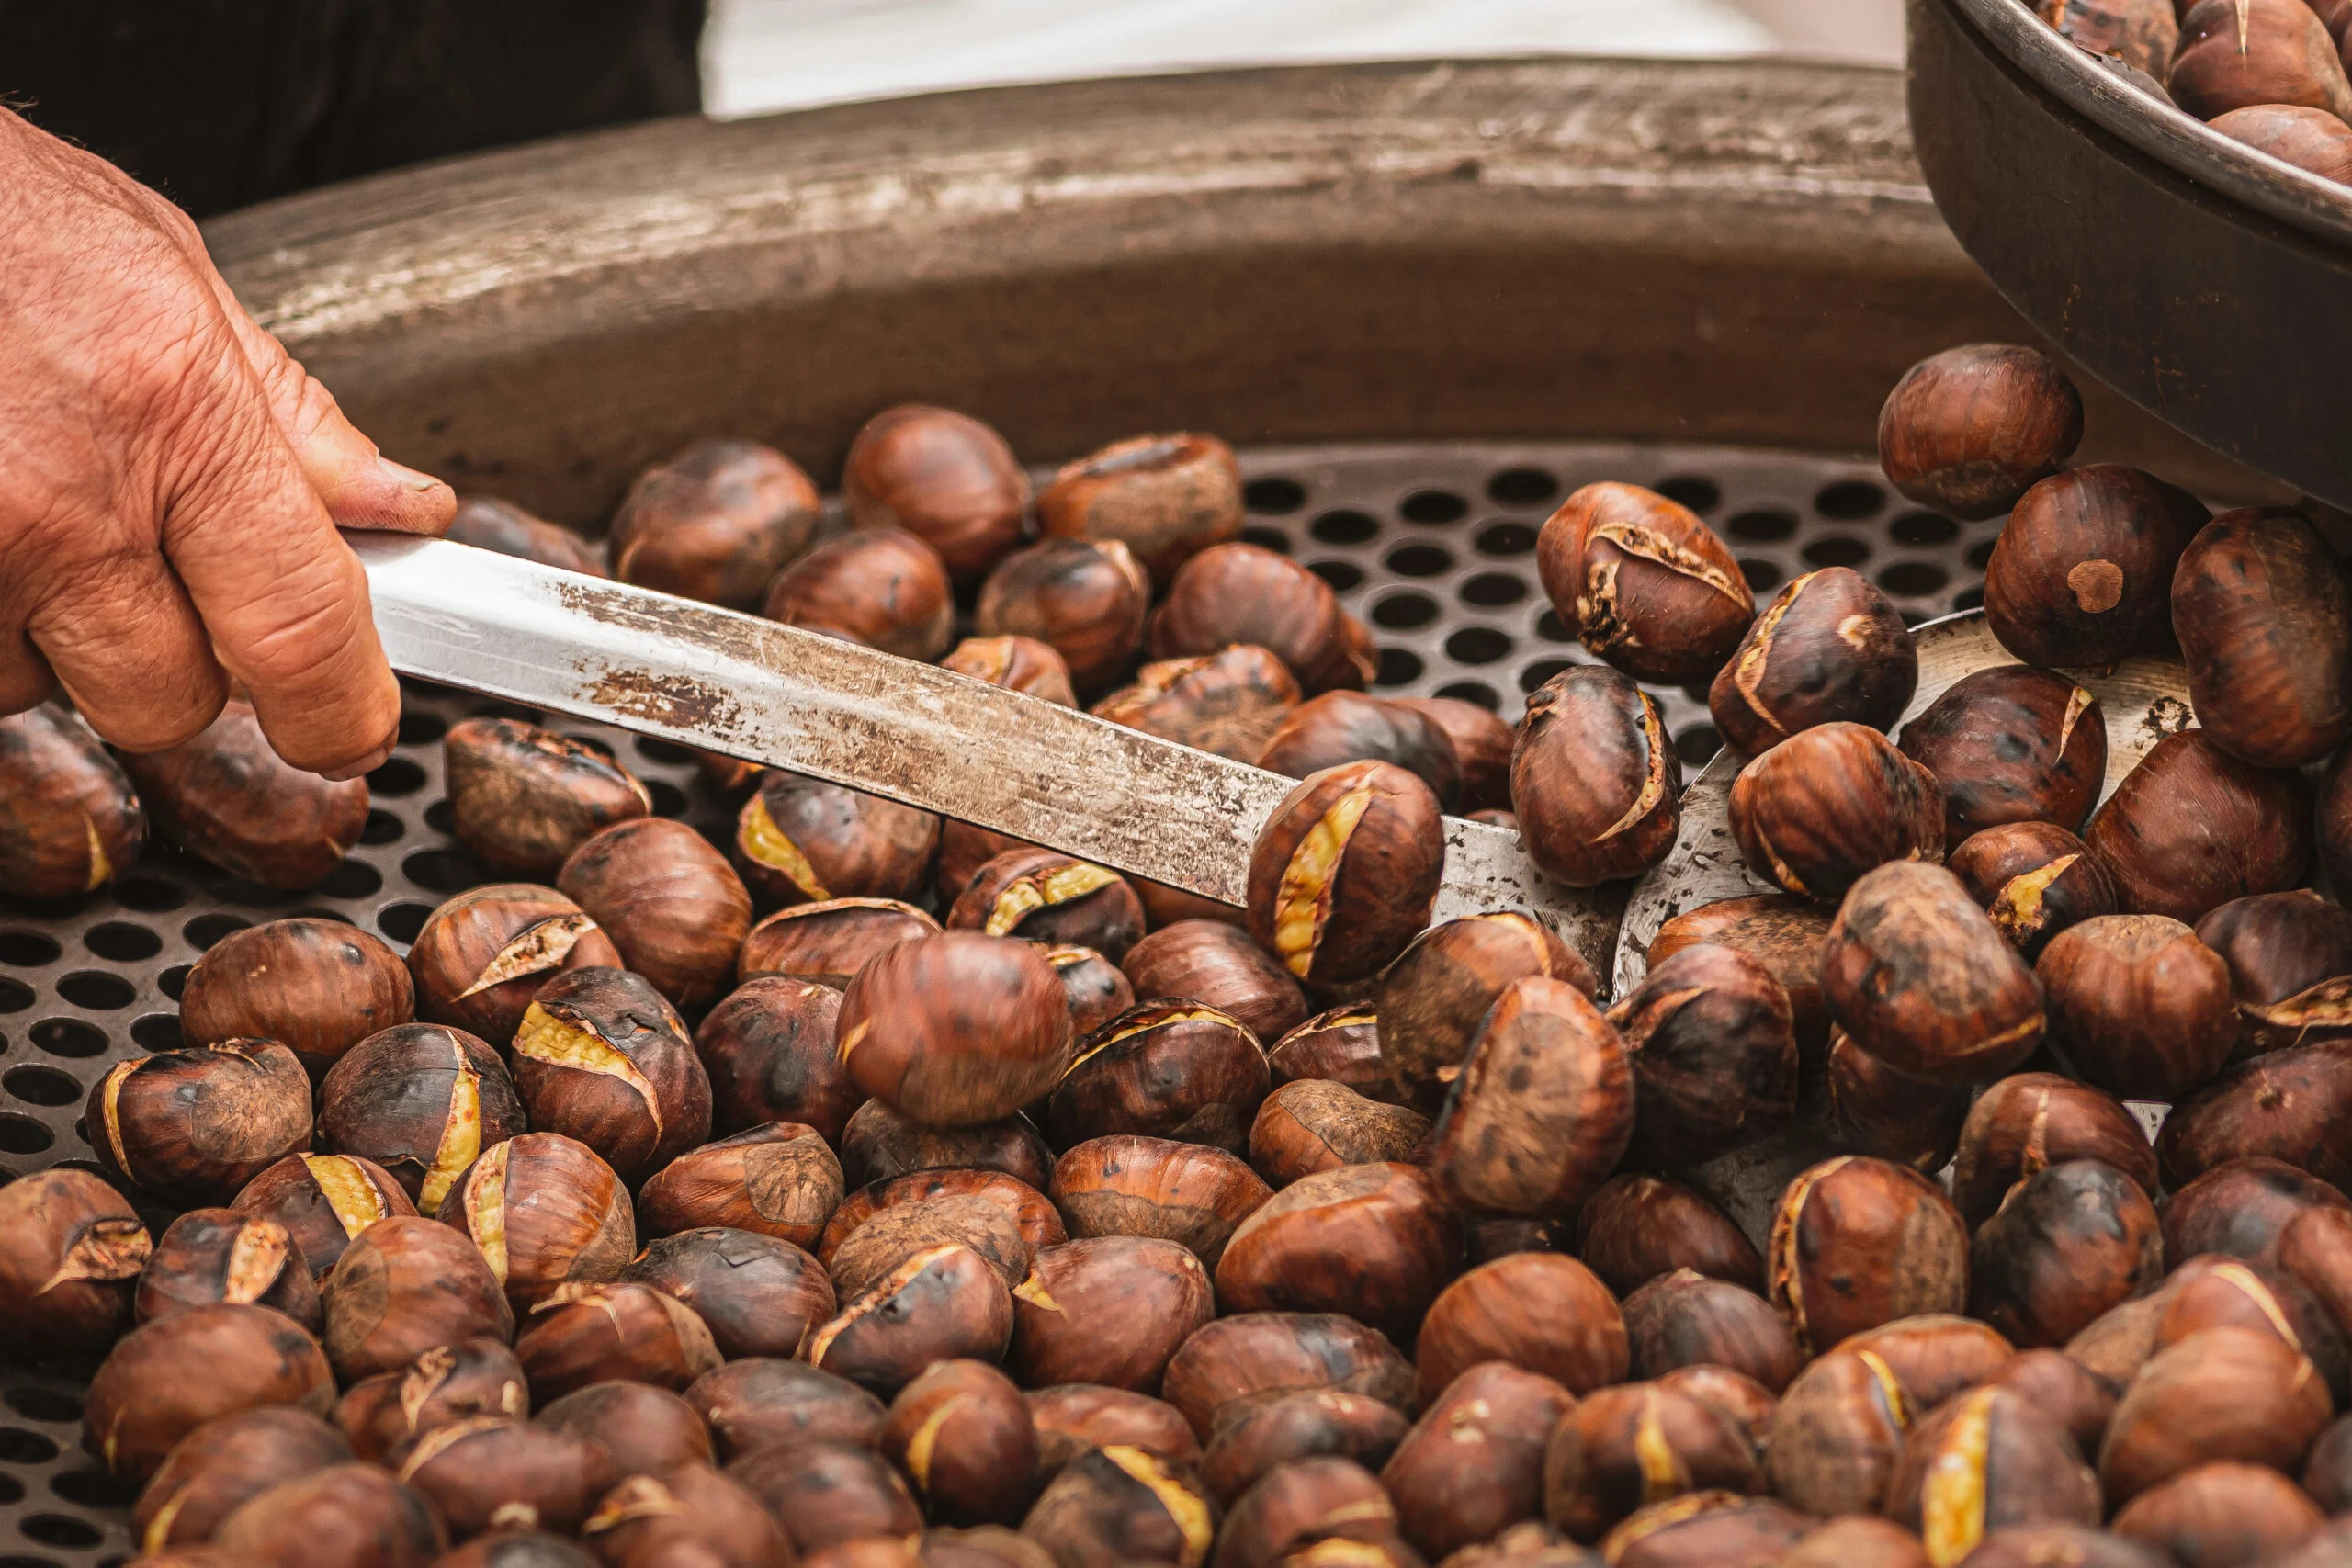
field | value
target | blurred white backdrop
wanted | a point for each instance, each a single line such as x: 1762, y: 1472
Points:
x: 769, y: 54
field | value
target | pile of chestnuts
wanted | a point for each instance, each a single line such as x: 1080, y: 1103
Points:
x: 864, y: 1189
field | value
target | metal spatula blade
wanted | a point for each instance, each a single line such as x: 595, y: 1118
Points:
x: 735, y: 684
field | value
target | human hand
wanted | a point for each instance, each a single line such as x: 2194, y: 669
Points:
x: 171, y: 482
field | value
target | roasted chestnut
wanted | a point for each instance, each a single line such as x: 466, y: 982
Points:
x: 2071, y: 1392
x: 1837, y: 1435
x: 715, y: 523
x: 2283, y: 951
x: 880, y: 1145
x: 762, y: 1403
x: 2115, y: 1346
x: 2315, y: 1250
x: 1121, y: 1503
x: 488, y: 1472
x: 828, y: 943
x: 228, y: 796
x: 165, y: 1378
x: 2029, y: 1122
x: 1988, y: 1459
x: 2266, y: 51
x: 522, y: 798
x: 1781, y: 933
x: 1744, y: 1399
x: 956, y: 1028
x: 449, y: 1382
x: 2011, y: 744
x: 1883, y: 1113
x: 1314, y: 1124
x: 1048, y: 897
x: 1341, y: 1044
x: 316, y: 986
x: 757, y: 1295
x: 404, y: 1285
x: 1474, y: 1464
x: 1170, y: 1069
x: 2069, y: 1242
x: 689, y: 1514
x: 1594, y: 783
x: 2290, y: 1105
x: 1705, y: 1530
x: 487, y: 523
x: 220, y: 1465
x: 324, y: 1200
x: 347, y: 1515
x: 1167, y: 498
x: 2220, y: 1514
x: 962, y: 1434
x: 1074, y: 1417
x: 2081, y: 573
x: 1345, y: 871
x: 2205, y: 1293
x: 1209, y: 962
x: 602, y: 1058
x: 2243, y: 1207
x: 2191, y: 828
x: 1229, y: 702
x: 1917, y: 976
x: 2264, y: 614
x: 669, y: 902
x: 2227, y: 1393
x: 1251, y: 1357
x: 69, y: 1248
x: 2137, y: 1004
x: 1375, y: 1242
x: 768, y: 1052
x: 1017, y: 663
x: 2139, y: 33
x: 964, y: 848
x: 2308, y: 138
x: 1818, y: 812
x: 1936, y: 1355
x: 1263, y: 1434
x: 422, y: 1101
x: 1861, y: 1540
x: 1349, y: 726
x: 69, y: 820
x: 1638, y: 1227
x: 1482, y: 746
x: 779, y: 1179
x: 1109, y: 1310
x: 481, y: 957
x: 1085, y: 599
x: 827, y: 1494
x: 1859, y: 1241
x: 883, y: 587
x: 204, y: 1256
x: 2034, y: 879
x: 942, y: 1303
x: 1686, y: 1319
x: 1619, y: 1449
x: 943, y: 476
x: 1536, y: 1310
x: 1643, y: 583
x: 878, y: 1226
x: 1544, y: 1107
x: 1714, y: 1052
x: 594, y: 1333
x: 193, y: 1126
x: 2325, y: 1475
x: 648, y: 1430
x: 1155, y: 1187
x: 1434, y: 998
x: 1970, y: 430
x: 1829, y: 648
x: 546, y: 1212
x: 1240, y: 593
x: 800, y: 839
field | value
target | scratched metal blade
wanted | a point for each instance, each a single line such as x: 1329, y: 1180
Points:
x: 730, y: 683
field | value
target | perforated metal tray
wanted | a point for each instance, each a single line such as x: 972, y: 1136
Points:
x: 1434, y: 544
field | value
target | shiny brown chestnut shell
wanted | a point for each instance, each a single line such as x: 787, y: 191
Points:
x: 766, y: 1402
x: 167, y: 1377
x: 1341, y: 1044
x: 1345, y: 871
x: 1860, y: 1540
x: 2242, y: 1206
x: 956, y: 1028
x: 2078, y: 1398
x: 687, y: 1514
x: 882, y: 588
x: 962, y: 1433
x: 69, y: 819
x: 449, y: 1382
x: 1837, y: 1435
x: 324, y: 1200
x: 481, y: 957
x: 1349, y: 726
x: 1881, y: 1113
x: 1095, y: 987
x: 1621, y: 1448
x: 489, y: 1471
x: 602, y: 1058
x: 1314, y: 1124
x: 2082, y: 573
x: 404, y: 1285
x: 780, y: 1180
x: 193, y: 1126
x: 2220, y: 1513
x: 347, y: 1515
x: 1686, y: 1319
x: 2315, y: 1251
x: 878, y: 1226
x: 2205, y: 1293
x: 880, y: 1145
x: 2137, y: 1005
x: 204, y: 1256
x: 2226, y: 1394
x: 1535, y: 1309
x: 1544, y: 1107
x: 1263, y: 1434
x: 2191, y: 828
x: 1818, y: 812
x: 2324, y: 1474
x: 316, y: 986
x: 522, y: 798
x: 1473, y: 1465
x: 1085, y: 599
x: 1240, y: 593
x: 2308, y: 138
x: 943, y: 1302
x: 70, y: 1248
x: 1229, y: 702
x: 758, y: 1295
x: 2034, y: 879
x: 1594, y: 781
x: 1122, y: 1504
x: 671, y: 902
x: 2268, y: 54
x: 1167, y: 498
x: 1782, y: 933
x: 211, y: 1472
x: 800, y: 839
x: 1637, y: 1227
x: 1988, y: 1459
x: 2029, y: 1122
x: 1715, y: 1055
x: 1705, y: 1530
x: 1166, y: 1069
x: 1917, y: 976
x: 1970, y: 430
x: 715, y: 523
x: 1017, y: 663
x: 2290, y: 1105
x: 1073, y: 1417
x: 2011, y: 744
x: 648, y: 1430
x: 1935, y: 1355
x: 829, y: 1494
x: 1434, y: 998
x: 1187, y: 1193
x: 1047, y: 896
x: 2264, y: 614
x: 1212, y: 963
x: 1643, y: 583
x: 227, y: 796
x: 768, y: 1052
x: 1859, y: 1241
x: 964, y: 848
x: 2288, y: 955
x: 422, y: 1101
x: 944, y: 478
x: 546, y: 1210
x: 826, y: 943
x: 489, y: 522
x: 1482, y: 746
x: 587, y: 1333
x: 1829, y: 648
x: 1109, y: 1310
x: 1377, y: 1242
x: 1252, y: 1356
x: 2069, y: 1242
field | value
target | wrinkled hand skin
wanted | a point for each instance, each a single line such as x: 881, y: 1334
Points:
x: 171, y: 482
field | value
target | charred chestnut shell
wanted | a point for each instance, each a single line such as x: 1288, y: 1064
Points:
x: 1642, y: 582
x: 602, y: 1058
x: 522, y: 798
x: 422, y: 1101
x: 1229, y: 702
x: 1829, y: 648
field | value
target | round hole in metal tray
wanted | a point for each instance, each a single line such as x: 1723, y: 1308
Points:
x: 69, y: 1037
x: 1265, y: 538
x: 1914, y: 579
x: 352, y: 879
x: 96, y: 990
x: 20, y: 1446
x: 1697, y: 746
x: 402, y: 921
x: 1849, y: 500
x: 61, y: 1529
x: 204, y: 932
x: 668, y: 799
x: 122, y: 941
x: 1490, y: 590
x: 1403, y: 611
x: 1400, y: 667
x: 173, y: 980
x: 442, y: 818
x: 1763, y: 576
x: 1551, y: 628
x: 1342, y: 575
x: 1924, y: 528
x: 156, y: 1032
x: 15, y: 995
x: 1534, y: 675
x: 1838, y: 549
x: 148, y: 895
x: 396, y: 777
x: 1476, y: 692
x: 1345, y: 526
x: 1521, y: 487
x: 663, y: 752
x: 1505, y: 539
x: 42, y: 1404
x: 27, y: 949
x: 382, y: 828
x: 22, y: 1134
x: 1764, y: 525
x: 421, y: 727
x: 94, y: 1489
x: 1273, y: 496
x: 11, y: 1489
x: 37, y: 1085
x: 442, y: 871
x: 1420, y: 560
x: 1433, y: 507
x: 1477, y: 645
x: 1693, y: 490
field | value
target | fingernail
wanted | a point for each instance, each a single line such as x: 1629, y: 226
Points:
x: 408, y: 479
x: 360, y: 769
